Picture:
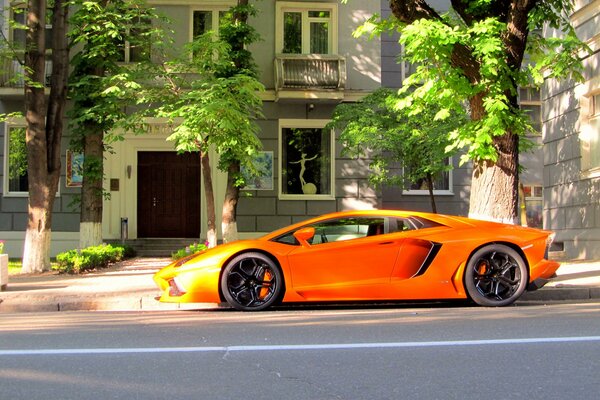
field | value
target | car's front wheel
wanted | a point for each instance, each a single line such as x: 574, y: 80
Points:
x: 496, y: 275
x: 251, y: 282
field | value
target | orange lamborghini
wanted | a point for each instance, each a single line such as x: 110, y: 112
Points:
x: 366, y: 255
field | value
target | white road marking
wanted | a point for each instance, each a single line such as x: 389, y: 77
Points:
x: 296, y: 347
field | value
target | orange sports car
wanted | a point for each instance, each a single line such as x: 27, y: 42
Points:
x: 366, y: 256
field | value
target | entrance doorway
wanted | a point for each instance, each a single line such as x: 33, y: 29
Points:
x: 168, y: 195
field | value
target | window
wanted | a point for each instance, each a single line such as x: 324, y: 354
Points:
x: 533, y: 205
x: 589, y: 136
x: 306, y: 28
x: 204, y: 21
x: 442, y: 184
x: 138, y: 48
x: 530, y: 102
x: 16, y: 182
x: 594, y: 137
x: 306, y: 160
x: 18, y: 32
x: 349, y: 228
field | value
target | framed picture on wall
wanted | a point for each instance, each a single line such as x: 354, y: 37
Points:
x: 263, y: 162
x: 74, y: 169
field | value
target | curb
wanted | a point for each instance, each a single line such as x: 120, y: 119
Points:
x: 562, y: 293
x: 96, y: 303
x: 147, y: 302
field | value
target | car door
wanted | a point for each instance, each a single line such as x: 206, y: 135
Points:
x: 347, y: 259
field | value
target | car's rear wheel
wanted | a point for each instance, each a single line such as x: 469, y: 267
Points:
x: 496, y: 275
x: 252, y: 282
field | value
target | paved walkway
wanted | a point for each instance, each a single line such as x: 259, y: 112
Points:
x: 129, y: 286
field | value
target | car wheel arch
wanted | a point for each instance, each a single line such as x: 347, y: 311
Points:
x: 251, y: 250
x: 519, y: 252
x: 507, y: 244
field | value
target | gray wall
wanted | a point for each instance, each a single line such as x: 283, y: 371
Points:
x: 571, y: 199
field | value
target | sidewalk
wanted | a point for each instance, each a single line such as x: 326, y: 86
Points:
x: 129, y: 286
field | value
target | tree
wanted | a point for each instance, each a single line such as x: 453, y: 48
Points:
x: 44, y: 126
x: 238, y: 34
x: 213, y: 110
x: 218, y: 109
x: 377, y: 129
x: 473, y: 56
x: 103, y: 86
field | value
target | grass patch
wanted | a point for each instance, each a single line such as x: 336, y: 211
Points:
x: 15, y: 265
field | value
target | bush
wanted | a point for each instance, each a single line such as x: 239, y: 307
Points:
x: 191, y: 249
x: 90, y: 258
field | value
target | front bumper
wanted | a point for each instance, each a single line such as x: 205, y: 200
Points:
x: 188, y: 286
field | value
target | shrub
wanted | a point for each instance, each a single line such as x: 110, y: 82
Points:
x: 90, y: 258
x: 191, y: 249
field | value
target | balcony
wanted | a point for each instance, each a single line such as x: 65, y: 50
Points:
x: 310, y: 77
x: 12, y: 74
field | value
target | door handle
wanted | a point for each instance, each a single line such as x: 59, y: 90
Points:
x: 384, y: 243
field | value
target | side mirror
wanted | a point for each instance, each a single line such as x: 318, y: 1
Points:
x: 304, y: 235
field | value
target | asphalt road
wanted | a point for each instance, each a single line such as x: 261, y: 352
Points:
x: 372, y: 352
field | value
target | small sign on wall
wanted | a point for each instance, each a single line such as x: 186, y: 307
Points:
x: 74, y: 169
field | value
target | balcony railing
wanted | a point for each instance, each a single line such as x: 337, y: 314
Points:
x: 310, y: 72
x: 12, y: 74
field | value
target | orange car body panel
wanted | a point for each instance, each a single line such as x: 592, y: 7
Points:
x: 408, y: 265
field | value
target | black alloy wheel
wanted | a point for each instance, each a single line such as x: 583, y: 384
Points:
x: 252, y: 282
x: 495, y: 276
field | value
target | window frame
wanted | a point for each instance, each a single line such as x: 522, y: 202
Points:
x: 8, y: 125
x: 530, y: 97
x: 127, y: 50
x: 215, y: 9
x: 300, y: 124
x: 590, y: 113
x: 282, y: 7
x: 437, y: 192
x: 22, y: 5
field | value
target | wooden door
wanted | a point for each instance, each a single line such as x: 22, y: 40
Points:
x: 168, y: 195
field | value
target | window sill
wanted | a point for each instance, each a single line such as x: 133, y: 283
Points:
x: 318, y: 197
x: 591, y: 173
x: 426, y: 193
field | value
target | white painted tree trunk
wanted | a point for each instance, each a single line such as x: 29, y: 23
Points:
x: 230, y: 233
x: 90, y: 234
x: 36, y: 253
x: 211, y: 238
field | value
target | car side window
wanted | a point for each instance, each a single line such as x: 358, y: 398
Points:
x: 341, y: 229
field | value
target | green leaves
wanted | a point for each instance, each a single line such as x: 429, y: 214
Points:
x: 470, y: 59
x: 384, y: 128
x: 212, y: 105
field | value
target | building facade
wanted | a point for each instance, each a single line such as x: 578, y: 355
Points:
x: 571, y: 129
x: 309, y: 62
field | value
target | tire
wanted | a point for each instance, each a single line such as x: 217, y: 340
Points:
x: 496, y: 276
x: 252, y: 282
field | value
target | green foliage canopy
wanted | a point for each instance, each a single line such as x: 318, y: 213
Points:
x: 211, y: 105
x: 391, y: 136
x: 476, y: 50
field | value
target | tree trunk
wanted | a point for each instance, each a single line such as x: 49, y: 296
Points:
x: 211, y: 233
x: 494, y: 186
x: 232, y: 194
x: 44, y: 129
x: 431, y: 195
x: 90, y: 223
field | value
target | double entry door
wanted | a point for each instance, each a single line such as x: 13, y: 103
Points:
x: 168, y: 195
